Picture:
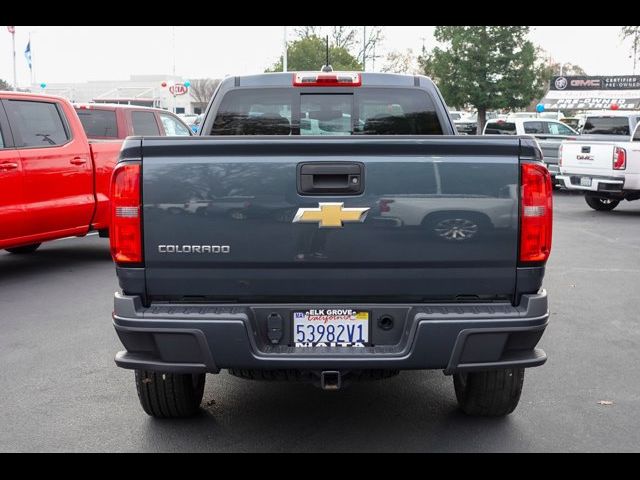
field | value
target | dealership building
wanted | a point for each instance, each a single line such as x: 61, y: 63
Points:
x: 160, y: 91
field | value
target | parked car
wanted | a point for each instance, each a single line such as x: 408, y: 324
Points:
x: 196, y: 123
x: 608, y: 170
x: 305, y: 281
x: 54, y: 181
x: 548, y: 133
x: 108, y: 121
x: 574, y: 122
x: 188, y: 117
x: 190, y: 120
x: 465, y: 123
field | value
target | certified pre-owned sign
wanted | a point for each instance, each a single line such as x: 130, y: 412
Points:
x: 612, y: 82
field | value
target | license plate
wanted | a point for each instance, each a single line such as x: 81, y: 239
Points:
x: 331, y: 327
x: 585, y: 181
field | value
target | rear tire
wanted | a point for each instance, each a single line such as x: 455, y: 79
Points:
x: 169, y: 395
x: 23, y: 250
x: 491, y: 393
x: 601, y: 204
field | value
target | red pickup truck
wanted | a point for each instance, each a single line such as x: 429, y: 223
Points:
x: 54, y: 181
x: 56, y: 161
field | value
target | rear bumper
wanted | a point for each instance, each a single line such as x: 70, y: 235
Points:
x: 598, y: 184
x: 451, y: 337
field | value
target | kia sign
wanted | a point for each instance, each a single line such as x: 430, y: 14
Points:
x: 178, y: 89
x: 611, y: 82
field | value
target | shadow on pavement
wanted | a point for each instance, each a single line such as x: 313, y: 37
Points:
x: 415, y: 411
x: 60, y: 255
x: 624, y: 213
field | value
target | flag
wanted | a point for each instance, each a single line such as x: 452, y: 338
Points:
x: 27, y: 54
x: 12, y: 30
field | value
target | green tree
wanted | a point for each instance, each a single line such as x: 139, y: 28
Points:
x: 4, y: 85
x: 488, y: 67
x: 309, y: 53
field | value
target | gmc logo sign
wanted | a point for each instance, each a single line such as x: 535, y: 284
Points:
x: 595, y: 83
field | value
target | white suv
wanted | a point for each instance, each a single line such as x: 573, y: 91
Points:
x: 549, y: 133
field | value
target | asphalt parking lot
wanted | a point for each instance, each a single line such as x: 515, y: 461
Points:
x: 61, y: 391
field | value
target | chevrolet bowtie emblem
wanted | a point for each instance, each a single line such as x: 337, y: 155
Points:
x: 331, y: 215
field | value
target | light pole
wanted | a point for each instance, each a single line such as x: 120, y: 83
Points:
x: 284, y: 54
x: 364, y: 48
x: 13, y: 44
x: 635, y: 51
x: 173, y: 35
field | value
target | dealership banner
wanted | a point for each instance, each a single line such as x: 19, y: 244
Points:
x: 593, y: 92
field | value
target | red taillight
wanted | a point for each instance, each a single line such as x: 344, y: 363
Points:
x: 125, y: 230
x: 536, y: 213
x: 384, y: 205
x: 339, y: 79
x: 619, y: 158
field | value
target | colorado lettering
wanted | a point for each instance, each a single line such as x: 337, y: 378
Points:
x: 194, y: 249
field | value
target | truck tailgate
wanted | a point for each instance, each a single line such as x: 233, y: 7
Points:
x: 439, y: 218
x: 588, y: 157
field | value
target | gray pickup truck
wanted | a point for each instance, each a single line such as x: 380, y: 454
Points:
x: 330, y: 227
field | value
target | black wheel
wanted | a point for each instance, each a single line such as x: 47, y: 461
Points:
x: 602, y: 204
x: 169, y: 395
x: 491, y: 393
x: 26, y: 249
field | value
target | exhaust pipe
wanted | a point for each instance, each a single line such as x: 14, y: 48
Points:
x: 330, y: 380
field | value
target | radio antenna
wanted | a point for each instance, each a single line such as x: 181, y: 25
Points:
x: 327, y: 67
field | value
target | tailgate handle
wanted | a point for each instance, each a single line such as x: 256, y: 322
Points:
x: 586, y: 150
x: 322, y: 178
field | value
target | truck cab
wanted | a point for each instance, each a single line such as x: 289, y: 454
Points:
x: 104, y: 121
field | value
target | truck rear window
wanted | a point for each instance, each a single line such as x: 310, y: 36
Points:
x: 287, y: 111
x: 500, y: 128
x: 606, y: 126
x: 98, y: 123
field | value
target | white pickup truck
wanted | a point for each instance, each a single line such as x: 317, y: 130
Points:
x: 604, y: 162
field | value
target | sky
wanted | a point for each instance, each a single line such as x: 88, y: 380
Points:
x: 78, y: 54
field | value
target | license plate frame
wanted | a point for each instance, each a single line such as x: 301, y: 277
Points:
x: 336, y: 317
x: 585, y: 181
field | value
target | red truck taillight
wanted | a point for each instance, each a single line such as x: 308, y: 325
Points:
x: 536, y: 214
x: 619, y: 158
x: 125, y: 230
